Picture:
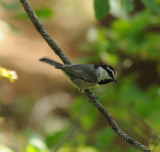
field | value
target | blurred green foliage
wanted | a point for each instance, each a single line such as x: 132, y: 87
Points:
x: 42, y: 14
x: 152, y: 5
x: 132, y: 46
x: 10, y: 6
x: 129, y: 5
x: 101, y: 8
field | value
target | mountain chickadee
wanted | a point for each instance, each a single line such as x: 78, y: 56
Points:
x: 85, y: 76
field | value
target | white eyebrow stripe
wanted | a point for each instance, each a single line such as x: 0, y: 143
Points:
x: 112, y: 71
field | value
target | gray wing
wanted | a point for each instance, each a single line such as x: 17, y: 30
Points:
x: 85, y: 72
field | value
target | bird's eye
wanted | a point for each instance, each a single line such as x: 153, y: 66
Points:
x: 110, y: 73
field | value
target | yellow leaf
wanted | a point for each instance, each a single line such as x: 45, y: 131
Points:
x: 10, y: 74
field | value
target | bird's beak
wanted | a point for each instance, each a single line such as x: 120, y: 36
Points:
x: 115, y: 80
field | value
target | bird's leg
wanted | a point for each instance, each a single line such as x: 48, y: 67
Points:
x: 81, y: 90
x: 91, y: 96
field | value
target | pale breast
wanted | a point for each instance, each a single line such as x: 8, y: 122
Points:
x: 83, y: 84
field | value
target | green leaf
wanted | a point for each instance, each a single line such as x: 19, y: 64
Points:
x: 42, y: 14
x: 152, y: 5
x: 101, y: 8
x: 55, y: 138
x: 129, y: 5
x: 104, y: 138
x: 10, y: 6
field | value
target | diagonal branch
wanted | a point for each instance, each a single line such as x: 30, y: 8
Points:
x: 114, y: 125
x: 33, y: 17
x: 88, y: 92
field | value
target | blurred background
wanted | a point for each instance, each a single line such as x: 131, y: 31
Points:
x: 42, y: 112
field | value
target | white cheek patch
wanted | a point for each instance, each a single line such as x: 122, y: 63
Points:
x: 103, y: 74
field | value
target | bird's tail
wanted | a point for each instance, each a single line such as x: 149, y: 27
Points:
x: 51, y: 62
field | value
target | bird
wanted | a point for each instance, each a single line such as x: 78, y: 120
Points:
x: 85, y: 76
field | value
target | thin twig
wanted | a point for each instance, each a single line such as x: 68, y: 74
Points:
x: 89, y: 93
